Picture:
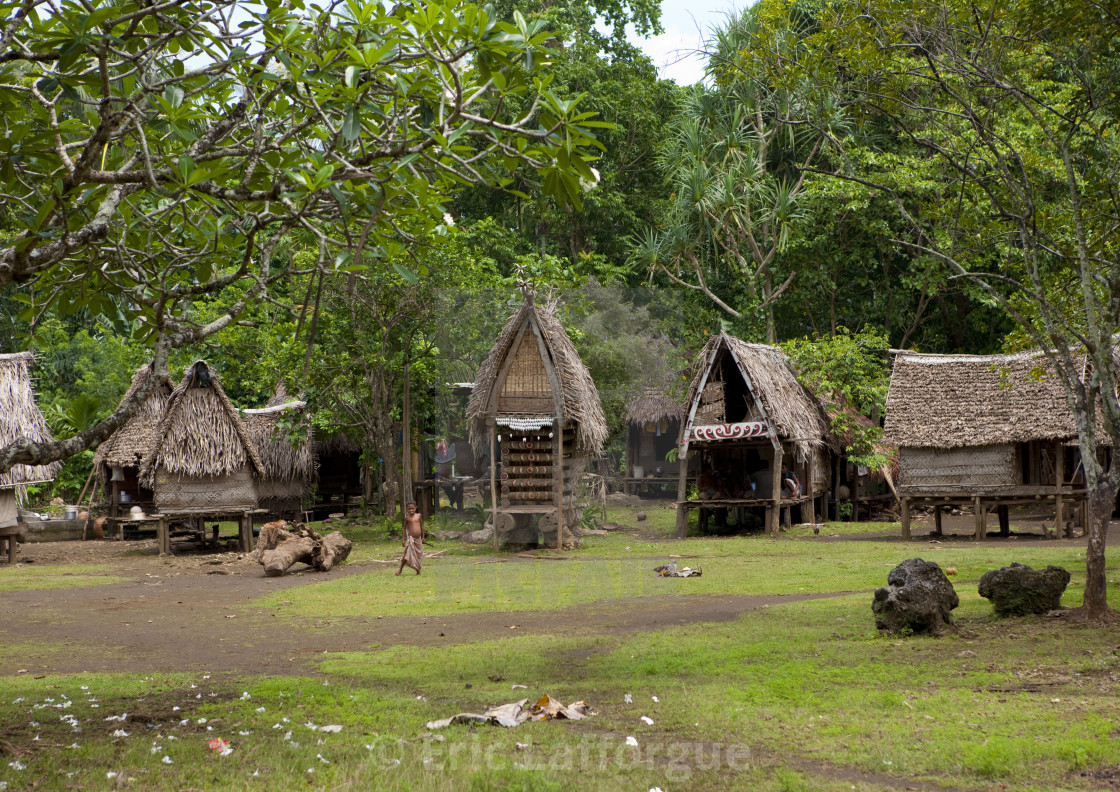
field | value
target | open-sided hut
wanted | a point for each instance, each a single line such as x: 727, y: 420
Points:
x: 119, y: 458
x: 289, y: 468
x: 747, y: 415
x: 203, y: 461
x: 982, y: 430
x: 534, y: 393
x: 19, y: 417
x: 653, y: 421
x: 338, y: 477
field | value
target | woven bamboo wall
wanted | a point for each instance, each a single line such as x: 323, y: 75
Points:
x: 958, y: 468
x: 202, y: 494
x: 822, y: 471
x: 712, y: 405
x: 527, y: 375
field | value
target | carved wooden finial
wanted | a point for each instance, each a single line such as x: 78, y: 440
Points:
x: 524, y: 285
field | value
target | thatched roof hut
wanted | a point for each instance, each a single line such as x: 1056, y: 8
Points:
x: 128, y: 446
x: 653, y: 419
x: 519, y: 348
x: 796, y: 414
x: 289, y: 468
x: 953, y: 401
x: 203, y: 458
x: 20, y: 417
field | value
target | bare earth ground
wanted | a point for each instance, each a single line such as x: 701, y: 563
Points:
x: 183, y: 613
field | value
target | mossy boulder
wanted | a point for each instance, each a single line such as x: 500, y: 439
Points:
x: 918, y: 598
x: 1018, y: 590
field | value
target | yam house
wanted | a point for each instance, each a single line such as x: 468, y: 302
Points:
x: 535, y: 398
x: 118, y: 459
x: 19, y: 417
x: 747, y: 417
x: 987, y: 431
x: 203, y: 463
x: 653, y: 422
x: 289, y: 465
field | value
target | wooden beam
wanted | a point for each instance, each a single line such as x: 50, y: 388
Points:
x: 978, y: 506
x: 493, y: 483
x: 773, y: 512
x: 682, y: 491
x: 905, y: 518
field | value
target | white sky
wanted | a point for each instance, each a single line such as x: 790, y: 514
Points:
x: 687, y: 24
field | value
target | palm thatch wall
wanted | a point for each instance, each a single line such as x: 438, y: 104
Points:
x: 579, y: 398
x: 128, y: 446
x: 797, y: 415
x: 203, y: 457
x: 20, y: 417
x: 288, y: 468
x: 956, y: 401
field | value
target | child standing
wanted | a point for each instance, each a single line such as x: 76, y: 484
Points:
x: 412, y: 538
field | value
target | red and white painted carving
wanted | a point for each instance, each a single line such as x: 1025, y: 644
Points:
x: 735, y: 431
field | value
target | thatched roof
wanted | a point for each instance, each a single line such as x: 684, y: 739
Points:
x: 952, y: 401
x: 201, y: 432
x: 20, y: 417
x: 579, y: 398
x: 128, y: 446
x: 650, y: 406
x: 279, y: 396
x: 796, y: 414
x: 283, y: 462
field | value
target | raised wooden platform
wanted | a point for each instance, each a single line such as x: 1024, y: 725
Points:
x: 1001, y: 499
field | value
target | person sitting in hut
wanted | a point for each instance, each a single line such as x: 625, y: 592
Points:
x: 412, y: 538
x: 791, y: 487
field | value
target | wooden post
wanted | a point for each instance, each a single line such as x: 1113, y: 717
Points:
x: 809, y: 488
x: 1059, y: 474
x: 772, y: 513
x: 978, y: 506
x: 1004, y: 520
x: 493, y: 484
x: 682, y: 493
x: 246, y: 532
x: 905, y: 518
x: 558, y: 457
x: 937, y: 518
x: 406, y: 443
x: 835, y: 490
x: 163, y: 536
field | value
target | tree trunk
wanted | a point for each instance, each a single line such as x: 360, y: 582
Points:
x: 278, y: 548
x: 1099, y: 503
x: 406, y: 441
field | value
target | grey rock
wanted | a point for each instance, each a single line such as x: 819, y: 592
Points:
x: 1018, y: 590
x: 918, y: 598
x: 481, y: 536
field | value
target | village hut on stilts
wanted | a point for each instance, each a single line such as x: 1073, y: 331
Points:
x: 534, y: 396
x: 653, y: 420
x: 203, y: 464
x: 747, y: 417
x: 986, y: 432
x: 19, y: 418
x: 118, y: 459
x: 289, y: 466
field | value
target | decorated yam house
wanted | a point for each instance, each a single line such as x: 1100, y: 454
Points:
x: 986, y: 431
x: 747, y: 417
x: 20, y: 417
x: 536, y: 411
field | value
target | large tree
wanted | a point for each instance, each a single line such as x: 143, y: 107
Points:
x: 1010, y: 114
x: 156, y: 154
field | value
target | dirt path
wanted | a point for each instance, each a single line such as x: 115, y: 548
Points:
x: 188, y: 613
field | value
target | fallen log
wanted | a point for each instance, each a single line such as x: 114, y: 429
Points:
x: 282, y: 544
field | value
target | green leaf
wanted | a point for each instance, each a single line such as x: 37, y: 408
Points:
x: 406, y: 273
x: 352, y: 124
x: 174, y: 95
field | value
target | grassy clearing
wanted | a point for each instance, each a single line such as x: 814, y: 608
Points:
x: 26, y: 577
x: 618, y: 566
x: 773, y: 701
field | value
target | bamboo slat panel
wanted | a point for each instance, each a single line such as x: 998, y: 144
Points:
x: 527, y: 375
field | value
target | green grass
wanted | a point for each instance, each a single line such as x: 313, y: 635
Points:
x: 619, y: 566
x: 793, y: 697
x: 25, y: 577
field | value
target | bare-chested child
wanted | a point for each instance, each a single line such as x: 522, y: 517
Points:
x: 412, y: 537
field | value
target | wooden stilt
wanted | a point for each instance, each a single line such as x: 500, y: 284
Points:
x: 1004, y: 520
x: 246, y: 532
x: 493, y: 484
x: 979, y: 508
x: 809, y: 490
x: 163, y: 536
x: 1059, y: 475
x: 682, y: 493
x: 559, y: 467
x: 937, y: 519
x: 772, y: 514
x: 905, y: 518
